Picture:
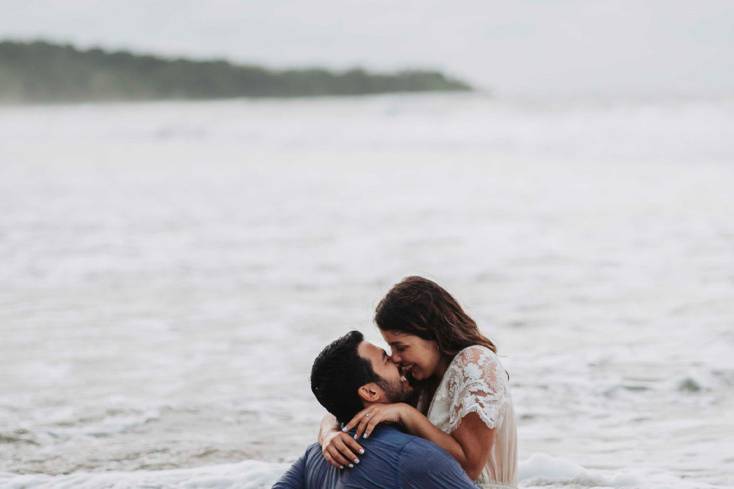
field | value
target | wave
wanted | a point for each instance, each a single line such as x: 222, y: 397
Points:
x: 250, y: 474
x: 548, y: 472
x: 540, y: 470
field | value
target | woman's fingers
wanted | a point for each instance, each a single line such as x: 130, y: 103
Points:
x: 371, y: 425
x: 355, y: 420
x: 355, y: 447
x: 342, y: 451
x: 330, y: 460
x: 358, y: 428
x: 345, y: 450
x: 337, y: 457
x: 365, y: 421
x: 362, y: 425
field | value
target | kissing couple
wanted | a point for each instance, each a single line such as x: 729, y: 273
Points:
x: 434, y: 413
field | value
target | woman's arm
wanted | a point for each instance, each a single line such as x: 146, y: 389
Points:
x: 328, y: 425
x: 337, y: 447
x: 470, y: 443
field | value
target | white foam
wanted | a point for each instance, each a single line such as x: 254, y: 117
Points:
x: 545, y: 471
x: 540, y: 470
x: 244, y: 475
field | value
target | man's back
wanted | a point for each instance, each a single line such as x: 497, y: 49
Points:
x: 392, y: 460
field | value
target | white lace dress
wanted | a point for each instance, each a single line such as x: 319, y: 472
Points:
x: 476, y: 382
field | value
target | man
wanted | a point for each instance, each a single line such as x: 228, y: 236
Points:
x: 347, y: 376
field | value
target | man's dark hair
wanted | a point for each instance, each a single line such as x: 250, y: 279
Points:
x: 337, y: 373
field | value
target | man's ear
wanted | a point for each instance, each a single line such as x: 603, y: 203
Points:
x: 371, y: 392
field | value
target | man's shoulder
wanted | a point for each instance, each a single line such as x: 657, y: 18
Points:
x: 385, y: 437
x: 389, y: 436
x: 425, y: 464
x: 313, y: 458
x: 416, y: 446
x: 313, y: 447
x: 413, y: 451
x: 403, y: 443
x: 312, y: 452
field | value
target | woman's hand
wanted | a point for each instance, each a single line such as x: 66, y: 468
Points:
x: 366, y: 420
x: 340, y: 449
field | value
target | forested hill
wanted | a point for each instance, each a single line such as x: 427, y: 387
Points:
x: 44, y: 72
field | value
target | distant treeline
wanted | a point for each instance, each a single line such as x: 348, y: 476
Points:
x: 44, y: 72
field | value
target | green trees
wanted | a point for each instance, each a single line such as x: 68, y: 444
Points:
x: 44, y: 72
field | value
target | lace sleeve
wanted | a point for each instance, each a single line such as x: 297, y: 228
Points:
x: 476, y: 384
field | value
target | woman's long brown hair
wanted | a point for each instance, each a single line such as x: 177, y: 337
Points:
x: 423, y: 308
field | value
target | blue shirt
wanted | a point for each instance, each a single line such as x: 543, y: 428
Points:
x: 392, y: 460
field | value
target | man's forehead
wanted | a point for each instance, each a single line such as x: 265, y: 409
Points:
x: 366, y: 349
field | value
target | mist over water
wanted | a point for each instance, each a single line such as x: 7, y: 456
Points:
x: 170, y: 270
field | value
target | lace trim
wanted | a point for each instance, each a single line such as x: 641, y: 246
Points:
x: 490, y: 420
x: 474, y: 386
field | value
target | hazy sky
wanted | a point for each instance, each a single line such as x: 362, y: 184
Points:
x: 566, y: 47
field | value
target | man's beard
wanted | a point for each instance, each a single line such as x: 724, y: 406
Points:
x: 395, y: 392
x: 416, y: 396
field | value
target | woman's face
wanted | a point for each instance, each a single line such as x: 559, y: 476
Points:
x: 418, y: 357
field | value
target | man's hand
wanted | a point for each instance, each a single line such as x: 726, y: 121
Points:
x: 340, y: 449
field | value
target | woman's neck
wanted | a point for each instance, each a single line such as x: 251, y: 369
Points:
x: 441, y: 368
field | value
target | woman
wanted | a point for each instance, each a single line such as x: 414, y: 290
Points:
x: 463, y: 403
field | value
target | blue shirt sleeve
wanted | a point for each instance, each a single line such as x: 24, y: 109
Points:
x: 424, y: 465
x: 295, y: 477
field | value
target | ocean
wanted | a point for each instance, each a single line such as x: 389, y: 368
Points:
x: 170, y: 270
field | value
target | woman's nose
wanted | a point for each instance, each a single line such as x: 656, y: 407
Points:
x: 395, y: 358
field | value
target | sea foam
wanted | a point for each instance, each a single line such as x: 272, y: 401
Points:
x: 540, y: 470
x: 249, y: 474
